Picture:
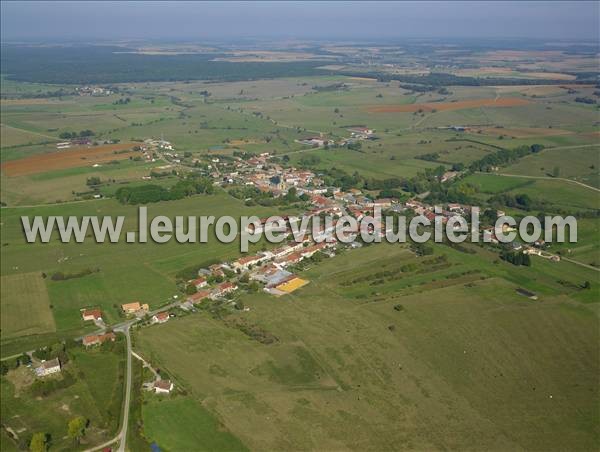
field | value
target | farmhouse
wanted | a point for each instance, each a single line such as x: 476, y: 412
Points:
x: 243, y: 263
x: 310, y: 250
x: 317, y: 141
x: 383, y: 202
x: 198, y: 296
x: 161, y: 317
x: 132, y: 308
x: 448, y: 175
x: 216, y: 270
x: 163, y: 386
x: 48, y: 367
x: 96, y: 339
x: 290, y: 259
x: 91, y: 314
x: 361, y: 132
x: 200, y: 282
x: 223, y: 289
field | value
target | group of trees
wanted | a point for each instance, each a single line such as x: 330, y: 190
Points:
x: 504, y: 157
x: 109, y: 64
x: 122, y: 101
x: 515, y: 257
x: 519, y: 200
x: 72, y: 135
x: 254, y: 196
x: 93, y: 181
x: 144, y: 194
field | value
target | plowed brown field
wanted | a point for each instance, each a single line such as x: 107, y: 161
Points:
x: 71, y: 158
x: 447, y: 106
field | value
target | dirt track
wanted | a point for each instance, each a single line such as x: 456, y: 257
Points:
x: 447, y: 106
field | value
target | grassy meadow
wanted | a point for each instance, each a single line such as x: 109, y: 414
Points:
x: 435, y: 350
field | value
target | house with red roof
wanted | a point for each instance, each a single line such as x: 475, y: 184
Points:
x: 91, y: 314
x: 198, y: 296
x: 199, y: 283
x: 161, y: 317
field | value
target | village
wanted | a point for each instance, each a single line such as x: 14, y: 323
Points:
x: 274, y: 271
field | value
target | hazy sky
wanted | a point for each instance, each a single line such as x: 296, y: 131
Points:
x: 189, y: 20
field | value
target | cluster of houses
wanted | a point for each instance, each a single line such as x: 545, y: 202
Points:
x: 357, y: 133
x: 93, y: 91
x: 151, y: 145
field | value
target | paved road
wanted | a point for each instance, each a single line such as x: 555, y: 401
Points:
x: 124, y: 327
x: 126, y: 402
x: 122, y: 435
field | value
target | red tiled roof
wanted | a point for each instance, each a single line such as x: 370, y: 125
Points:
x: 199, y: 296
x: 163, y: 384
x: 96, y: 313
x: 162, y: 315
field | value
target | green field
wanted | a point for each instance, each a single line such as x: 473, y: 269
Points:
x: 121, y: 273
x: 577, y: 163
x: 183, y: 424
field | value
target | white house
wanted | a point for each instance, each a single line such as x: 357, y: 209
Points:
x: 48, y: 368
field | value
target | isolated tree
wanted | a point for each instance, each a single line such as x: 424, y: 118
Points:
x: 77, y: 427
x: 39, y: 442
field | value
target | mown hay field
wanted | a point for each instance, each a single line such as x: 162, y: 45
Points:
x: 25, y: 305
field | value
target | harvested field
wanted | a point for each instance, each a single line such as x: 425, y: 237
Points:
x: 448, y: 106
x: 508, y: 72
x: 85, y: 156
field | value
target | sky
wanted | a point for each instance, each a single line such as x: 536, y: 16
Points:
x: 32, y: 20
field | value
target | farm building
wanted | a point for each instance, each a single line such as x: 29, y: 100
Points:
x: 361, y: 132
x: 286, y: 285
x: 132, y: 308
x: 527, y: 293
x: 163, y: 386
